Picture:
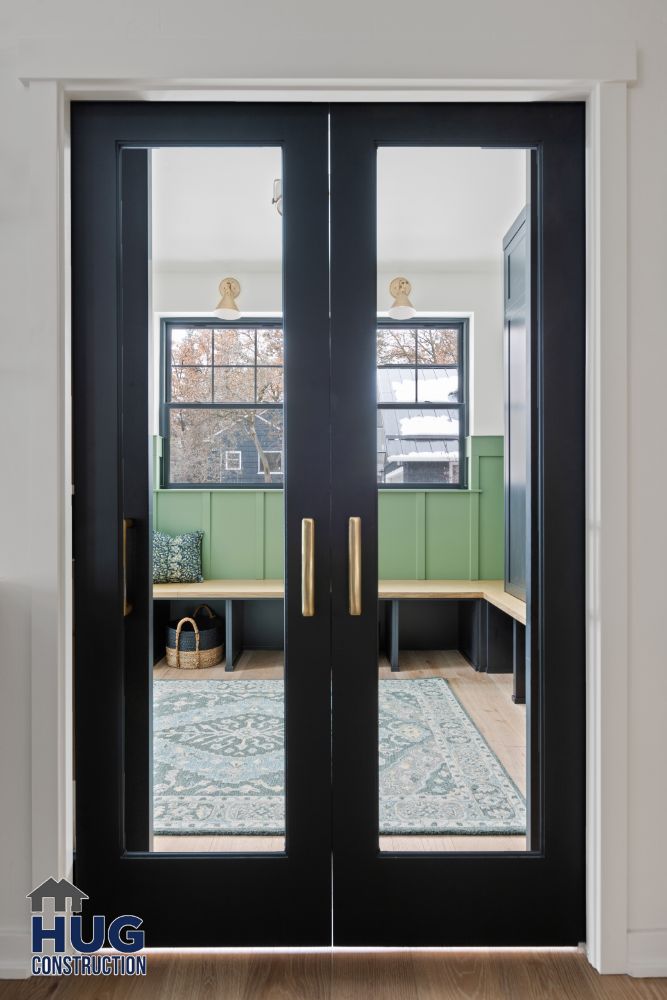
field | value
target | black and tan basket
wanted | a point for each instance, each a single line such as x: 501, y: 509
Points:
x: 196, y: 646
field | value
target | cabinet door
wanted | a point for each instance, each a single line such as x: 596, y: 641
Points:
x: 516, y: 249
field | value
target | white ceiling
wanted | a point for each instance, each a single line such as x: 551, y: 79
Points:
x: 213, y: 205
x: 446, y: 206
x: 436, y: 207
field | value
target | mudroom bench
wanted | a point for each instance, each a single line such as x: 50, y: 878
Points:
x: 483, y: 621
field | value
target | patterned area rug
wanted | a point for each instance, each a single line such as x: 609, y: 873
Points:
x: 219, y: 763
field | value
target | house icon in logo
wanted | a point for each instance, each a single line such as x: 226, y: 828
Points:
x: 59, y: 892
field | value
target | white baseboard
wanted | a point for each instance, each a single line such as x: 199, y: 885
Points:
x: 647, y: 953
x: 14, y: 953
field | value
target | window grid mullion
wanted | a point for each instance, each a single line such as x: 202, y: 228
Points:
x: 420, y: 366
x: 420, y: 406
x: 212, y: 366
x: 255, y: 371
x: 175, y: 405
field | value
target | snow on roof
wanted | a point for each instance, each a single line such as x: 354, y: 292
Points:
x: 436, y: 385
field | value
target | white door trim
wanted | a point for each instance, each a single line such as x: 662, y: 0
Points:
x: 607, y: 530
x: 598, y: 74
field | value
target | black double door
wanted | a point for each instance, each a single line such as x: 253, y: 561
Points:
x: 331, y: 861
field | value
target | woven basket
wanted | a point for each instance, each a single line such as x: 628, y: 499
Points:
x: 211, y: 631
x: 196, y: 659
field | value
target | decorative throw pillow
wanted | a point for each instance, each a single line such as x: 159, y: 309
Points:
x: 177, y: 558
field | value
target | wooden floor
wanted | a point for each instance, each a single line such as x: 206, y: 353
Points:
x: 486, y: 697
x: 402, y: 975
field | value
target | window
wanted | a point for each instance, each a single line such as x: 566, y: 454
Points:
x: 421, y: 398
x: 222, y: 404
x: 270, y: 462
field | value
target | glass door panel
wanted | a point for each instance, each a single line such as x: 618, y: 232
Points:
x: 218, y: 749
x: 452, y: 732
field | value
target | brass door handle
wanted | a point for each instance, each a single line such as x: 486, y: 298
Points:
x: 354, y: 565
x: 127, y: 607
x: 308, y: 567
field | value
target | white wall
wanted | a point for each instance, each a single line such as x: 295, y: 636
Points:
x: 315, y: 41
x: 20, y: 577
x: 647, y: 364
x: 477, y: 292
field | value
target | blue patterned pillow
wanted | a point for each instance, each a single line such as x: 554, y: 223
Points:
x: 177, y: 558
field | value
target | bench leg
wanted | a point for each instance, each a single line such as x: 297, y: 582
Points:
x: 499, y: 641
x: 233, y: 633
x: 519, y: 664
x: 161, y: 611
x: 472, y: 631
x: 392, y: 635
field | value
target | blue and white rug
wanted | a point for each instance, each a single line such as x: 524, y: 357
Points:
x: 219, y: 761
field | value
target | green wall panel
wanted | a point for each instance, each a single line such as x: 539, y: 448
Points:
x: 234, y: 537
x: 398, y: 540
x: 486, y: 473
x: 491, y: 518
x: 179, y: 512
x: 274, y: 532
x: 423, y: 534
x: 243, y: 529
x: 448, y: 536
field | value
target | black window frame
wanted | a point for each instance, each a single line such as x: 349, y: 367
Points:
x: 167, y: 323
x: 166, y: 404
x: 462, y: 405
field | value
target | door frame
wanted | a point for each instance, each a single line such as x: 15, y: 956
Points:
x: 58, y: 73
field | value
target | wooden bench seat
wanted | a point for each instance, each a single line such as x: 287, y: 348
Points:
x: 221, y: 590
x: 492, y: 591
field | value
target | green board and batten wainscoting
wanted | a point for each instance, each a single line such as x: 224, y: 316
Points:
x: 243, y: 529
x: 423, y: 534
x: 447, y: 534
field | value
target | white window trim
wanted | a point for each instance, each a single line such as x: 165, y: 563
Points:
x: 233, y: 468
x: 56, y: 71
